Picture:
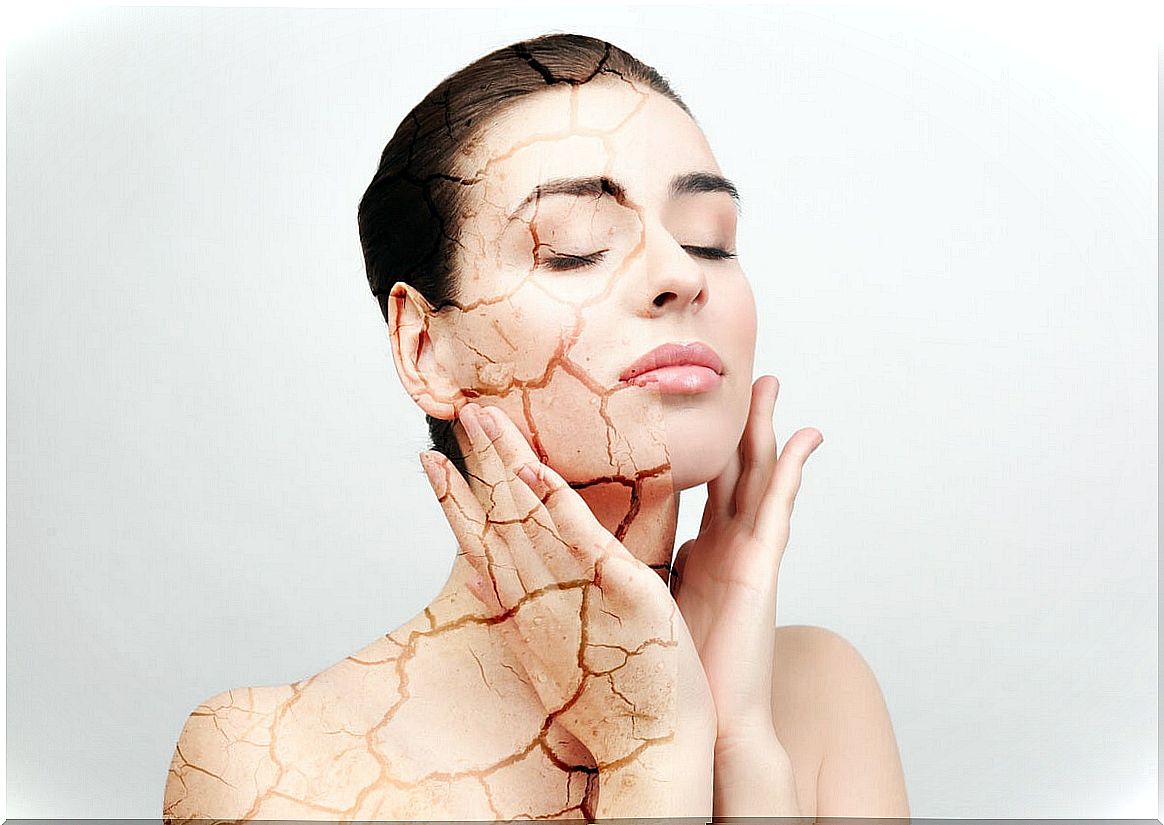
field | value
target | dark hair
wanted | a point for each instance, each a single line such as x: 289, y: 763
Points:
x: 410, y: 217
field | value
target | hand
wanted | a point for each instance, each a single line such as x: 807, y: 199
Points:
x: 725, y: 578
x: 600, y: 638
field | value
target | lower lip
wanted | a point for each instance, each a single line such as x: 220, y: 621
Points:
x: 686, y: 380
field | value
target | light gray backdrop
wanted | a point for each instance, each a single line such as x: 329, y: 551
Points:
x: 950, y: 228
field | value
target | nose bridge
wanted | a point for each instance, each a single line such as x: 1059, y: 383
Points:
x: 671, y: 278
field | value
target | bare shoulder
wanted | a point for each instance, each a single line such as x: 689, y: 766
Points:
x: 272, y: 752
x: 815, y: 654
x: 217, y: 764
x: 808, y: 660
x: 827, y: 701
x: 805, y: 662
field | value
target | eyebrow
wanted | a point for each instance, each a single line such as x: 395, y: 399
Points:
x: 687, y: 183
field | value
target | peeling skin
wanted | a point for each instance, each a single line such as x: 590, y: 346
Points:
x: 438, y: 719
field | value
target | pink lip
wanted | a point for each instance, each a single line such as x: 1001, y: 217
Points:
x: 687, y: 379
x: 675, y: 355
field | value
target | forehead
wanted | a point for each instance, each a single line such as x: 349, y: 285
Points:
x: 605, y: 127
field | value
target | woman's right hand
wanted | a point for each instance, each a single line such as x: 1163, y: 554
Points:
x: 596, y: 630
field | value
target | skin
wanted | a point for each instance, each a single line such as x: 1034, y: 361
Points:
x: 562, y: 672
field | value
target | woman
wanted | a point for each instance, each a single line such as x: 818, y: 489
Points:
x: 552, y: 244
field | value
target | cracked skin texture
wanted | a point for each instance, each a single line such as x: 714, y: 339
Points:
x: 436, y: 719
x: 426, y: 722
x: 420, y: 724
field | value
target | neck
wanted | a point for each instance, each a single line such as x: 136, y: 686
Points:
x: 643, y: 514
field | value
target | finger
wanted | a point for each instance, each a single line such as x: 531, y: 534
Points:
x: 575, y: 522
x: 613, y: 569
x: 509, y: 563
x: 513, y: 447
x: 553, y: 678
x: 776, y: 509
x: 460, y: 506
x: 555, y: 559
x: 544, y: 631
x: 757, y: 448
x: 524, y: 632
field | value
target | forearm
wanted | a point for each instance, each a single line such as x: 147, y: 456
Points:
x: 753, y: 777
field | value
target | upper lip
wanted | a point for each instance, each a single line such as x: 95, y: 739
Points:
x: 670, y: 355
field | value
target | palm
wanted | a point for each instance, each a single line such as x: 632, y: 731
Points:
x: 724, y: 581
x: 729, y: 610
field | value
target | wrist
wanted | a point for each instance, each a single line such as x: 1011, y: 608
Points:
x: 740, y: 754
x: 749, y: 734
x: 754, y: 776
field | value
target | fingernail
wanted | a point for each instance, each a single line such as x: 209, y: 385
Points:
x: 470, y: 418
x: 489, y: 423
x: 428, y: 462
x: 530, y: 476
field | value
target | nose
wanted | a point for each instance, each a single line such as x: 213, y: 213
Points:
x: 674, y: 280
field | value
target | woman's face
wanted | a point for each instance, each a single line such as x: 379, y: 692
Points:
x: 560, y: 293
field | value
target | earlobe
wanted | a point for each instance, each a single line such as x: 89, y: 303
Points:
x: 411, y: 331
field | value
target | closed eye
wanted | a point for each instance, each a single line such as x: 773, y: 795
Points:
x: 713, y: 252
x: 562, y: 263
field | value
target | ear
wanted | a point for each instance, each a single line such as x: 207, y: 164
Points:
x: 410, y: 318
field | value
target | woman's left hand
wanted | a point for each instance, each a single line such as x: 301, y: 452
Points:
x: 724, y: 579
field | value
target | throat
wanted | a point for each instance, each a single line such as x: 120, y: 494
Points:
x: 641, y: 512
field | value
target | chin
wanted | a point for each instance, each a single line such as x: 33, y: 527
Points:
x: 698, y: 457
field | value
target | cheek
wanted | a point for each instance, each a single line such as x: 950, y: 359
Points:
x: 747, y: 308
x: 739, y: 322
x: 505, y: 343
x: 588, y: 427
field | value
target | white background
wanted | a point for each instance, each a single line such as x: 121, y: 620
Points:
x: 949, y: 222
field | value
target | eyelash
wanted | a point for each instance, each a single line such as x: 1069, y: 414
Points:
x: 562, y: 263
